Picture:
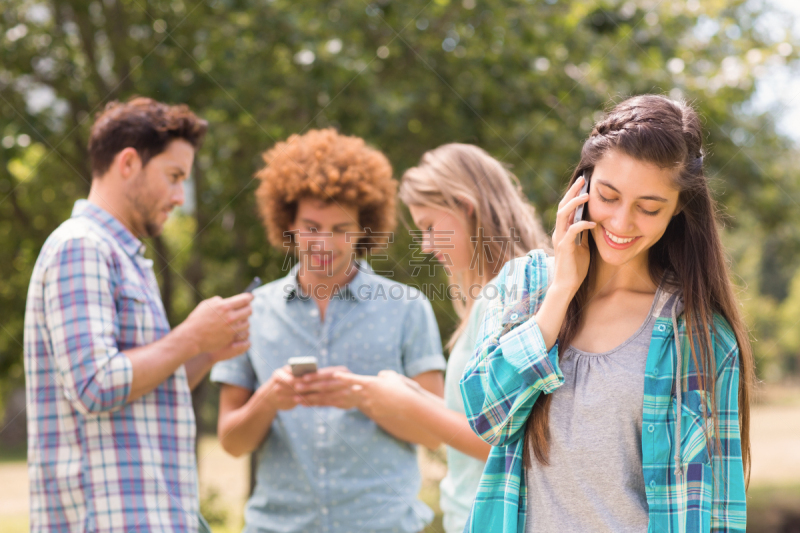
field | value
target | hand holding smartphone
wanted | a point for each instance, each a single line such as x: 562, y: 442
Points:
x: 256, y: 283
x: 303, y: 365
x: 579, y: 211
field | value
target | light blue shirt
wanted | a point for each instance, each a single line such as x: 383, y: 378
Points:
x: 324, y: 469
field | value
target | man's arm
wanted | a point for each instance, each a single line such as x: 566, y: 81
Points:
x: 245, y: 416
x: 81, y: 317
x: 197, y: 367
x: 217, y: 325
x: 244, y: 419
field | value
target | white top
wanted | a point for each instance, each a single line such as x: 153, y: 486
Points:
x: 460, y: 485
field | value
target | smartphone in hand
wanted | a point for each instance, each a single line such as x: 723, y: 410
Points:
x: 581, y: 208
x: 256, y: 283
x: 303, y: 365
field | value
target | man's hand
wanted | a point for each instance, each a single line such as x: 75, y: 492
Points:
x: 321, y: 388
x: 237, y: 347
x: 280, y: 390
x: 220, y: 326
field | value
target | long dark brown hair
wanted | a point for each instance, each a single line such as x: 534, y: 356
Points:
x: 657, y: 130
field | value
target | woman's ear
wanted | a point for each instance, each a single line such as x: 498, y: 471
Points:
x: 466, y: 205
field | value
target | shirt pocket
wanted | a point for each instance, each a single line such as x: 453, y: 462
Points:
x: 697, y: 441
x: 697, y: 427
x: 134, y: 318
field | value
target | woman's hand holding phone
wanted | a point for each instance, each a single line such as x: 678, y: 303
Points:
x: 572, y: 259
x: 571, y: 264
x: 386, y: 395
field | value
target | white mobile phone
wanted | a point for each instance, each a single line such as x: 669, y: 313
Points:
x: 580, y: 209
x: 303, y: 365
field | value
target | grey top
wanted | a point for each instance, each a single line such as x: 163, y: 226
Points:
x: 594, y: 481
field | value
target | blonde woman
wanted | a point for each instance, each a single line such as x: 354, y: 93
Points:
x: 474, y: 218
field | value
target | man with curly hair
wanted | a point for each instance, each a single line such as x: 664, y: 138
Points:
x: 326, y: 461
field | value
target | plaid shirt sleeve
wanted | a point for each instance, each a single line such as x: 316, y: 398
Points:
x: 729, y: 504
x: 80, y: 315
x: 511, y: 366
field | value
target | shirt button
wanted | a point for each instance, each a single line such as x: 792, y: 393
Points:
x: 514, y: 316
x: 652, y: 483
x: 651, y: 428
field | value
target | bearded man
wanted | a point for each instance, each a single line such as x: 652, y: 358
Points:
x: 111, y: 431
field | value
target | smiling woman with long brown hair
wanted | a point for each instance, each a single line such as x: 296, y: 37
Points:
x: 613, y: 380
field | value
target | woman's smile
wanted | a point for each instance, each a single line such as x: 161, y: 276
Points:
x: 618, y: 242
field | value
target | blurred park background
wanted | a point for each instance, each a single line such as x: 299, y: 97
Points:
x: 523, y: 79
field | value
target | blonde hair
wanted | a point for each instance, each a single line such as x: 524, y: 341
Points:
x: 503, y: 224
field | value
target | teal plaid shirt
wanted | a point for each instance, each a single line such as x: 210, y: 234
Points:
x: 512, y: 367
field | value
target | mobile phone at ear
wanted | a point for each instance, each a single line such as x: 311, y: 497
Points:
x: 303, y: 365
x: 256, y: 283
x: 581, y: 208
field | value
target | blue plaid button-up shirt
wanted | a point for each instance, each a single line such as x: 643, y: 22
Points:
x: 96, y: 462
x: 512, y: 367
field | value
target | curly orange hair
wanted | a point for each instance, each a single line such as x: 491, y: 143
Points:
x: 327, y: 166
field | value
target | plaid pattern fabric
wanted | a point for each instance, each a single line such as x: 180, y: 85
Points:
x: 95, y: 462
x: 512, y: 367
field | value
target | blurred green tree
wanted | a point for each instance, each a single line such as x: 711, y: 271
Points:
x: 525, y: 80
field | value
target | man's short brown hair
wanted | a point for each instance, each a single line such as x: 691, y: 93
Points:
x: 143, y: 124
x: 334, y: 168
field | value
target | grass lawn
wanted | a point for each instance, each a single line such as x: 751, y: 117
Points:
x: 430, y: 495
x: 15, y: 523
x: 769, y: 510
x: 773, y: 509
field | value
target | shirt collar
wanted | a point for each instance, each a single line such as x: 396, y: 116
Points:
x: 98, y: 215
x: 348, y: 292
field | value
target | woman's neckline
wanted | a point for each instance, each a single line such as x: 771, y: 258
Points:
x: 630, y: 339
